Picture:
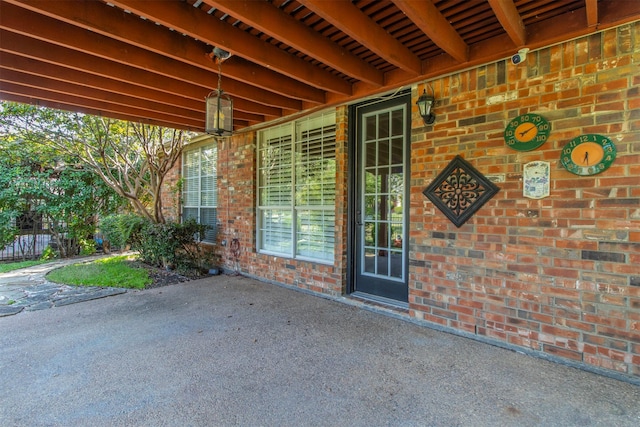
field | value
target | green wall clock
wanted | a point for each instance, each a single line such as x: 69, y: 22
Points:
x: 527, y: 132
x: 588, y: 154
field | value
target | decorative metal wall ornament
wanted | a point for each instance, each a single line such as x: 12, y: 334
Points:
x: 460, y: 190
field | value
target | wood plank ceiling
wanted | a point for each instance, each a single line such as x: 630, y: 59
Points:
x: 151, y: 61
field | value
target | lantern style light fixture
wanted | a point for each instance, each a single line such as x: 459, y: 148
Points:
x: 425, y: 103
x: 219, y: 112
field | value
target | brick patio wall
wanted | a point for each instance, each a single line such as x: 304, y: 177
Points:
x: 558, y: 276
x: 237, y: 219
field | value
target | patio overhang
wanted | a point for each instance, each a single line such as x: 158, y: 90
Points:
x: 150, y: 61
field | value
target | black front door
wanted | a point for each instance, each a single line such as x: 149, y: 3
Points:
x: 381, y: 137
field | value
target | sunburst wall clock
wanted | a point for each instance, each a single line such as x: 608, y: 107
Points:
x: 460, y: 190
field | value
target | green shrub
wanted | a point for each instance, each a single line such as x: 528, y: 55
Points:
x: 170, y: 245
x: 48, y: 254
x: 118, y: 229
x: 8, y: 232
x: 154, y: 243
x: 87, y: 246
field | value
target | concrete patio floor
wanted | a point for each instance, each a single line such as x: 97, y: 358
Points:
x: 226, y: 351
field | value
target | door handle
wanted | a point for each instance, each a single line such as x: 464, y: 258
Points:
x: 359, y: 218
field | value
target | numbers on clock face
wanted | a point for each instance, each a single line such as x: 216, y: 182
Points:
x: 527, y: 132
x: 588, y: 154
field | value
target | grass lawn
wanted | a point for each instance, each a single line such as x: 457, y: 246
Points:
x: 112, y: 272
x: 6, y: 267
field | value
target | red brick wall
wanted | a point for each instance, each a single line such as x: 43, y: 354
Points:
x: 170, y: 193
x: 237, y: 216
x: 560, y: 275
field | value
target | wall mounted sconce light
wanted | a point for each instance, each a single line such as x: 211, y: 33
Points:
x: 219, y: 111
x: 425, y: 103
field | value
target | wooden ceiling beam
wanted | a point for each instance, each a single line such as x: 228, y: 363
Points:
x: 58, y: 105
x: 271, y: 20
x: 32, y: 24
x: 53, y: 55
x: 192, y: 21
x: 542, y: 34
x: 38, y: 88
x: 510, y: 20
x: 35, y: 67
x: 105, y: 107
x: 125, y: 27
x: 611, y: 13
x: 85, y: 91
x: 592, y: 12
x: 430, y: 21
x: 352, y: 21
x: 21, y: 68
x: 119, y: 61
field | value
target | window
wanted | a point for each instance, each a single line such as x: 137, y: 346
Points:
x: 296, y: 189
x: 200, y: 188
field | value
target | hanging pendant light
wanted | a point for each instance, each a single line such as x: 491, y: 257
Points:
x: 219, y: 112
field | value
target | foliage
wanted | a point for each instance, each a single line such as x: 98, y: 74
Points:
x: 9, y: 199
x: 117, y: 229
x: 131, y: 158
x: 43, y: 185
x: 176, y: 191
x: 72, y: 202
x: 48, y: 254
x: 170, y: 245
x: 8, y: 231
x: 112, y: 272
x: 87, y: 247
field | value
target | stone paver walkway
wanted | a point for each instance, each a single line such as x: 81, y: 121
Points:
x: 28, y: 289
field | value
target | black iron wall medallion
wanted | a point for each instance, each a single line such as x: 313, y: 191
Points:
x: 460, y: 190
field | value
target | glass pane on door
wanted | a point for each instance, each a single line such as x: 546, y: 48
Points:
x: 383, y: 189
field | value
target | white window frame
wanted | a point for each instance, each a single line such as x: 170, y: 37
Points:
x: 195, y: 195
x: 288, y: 226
